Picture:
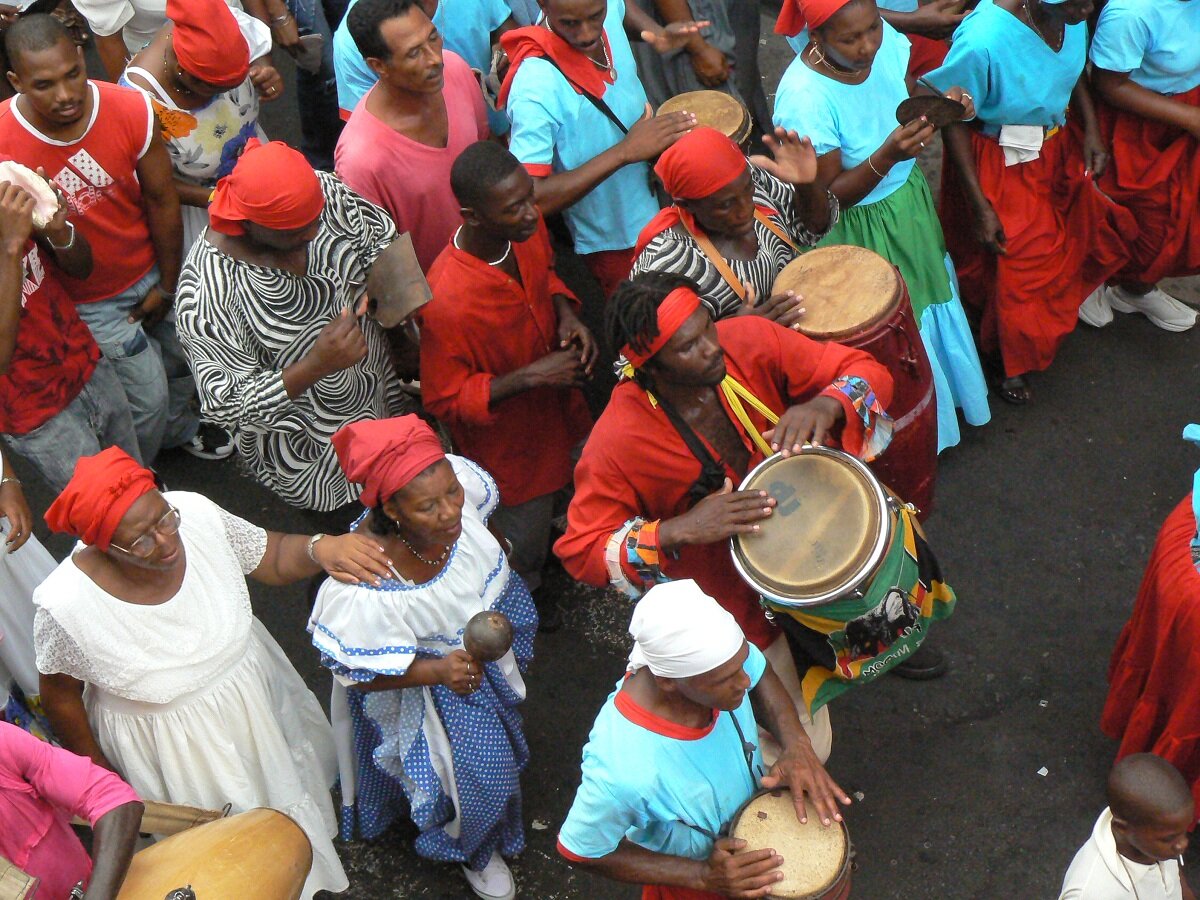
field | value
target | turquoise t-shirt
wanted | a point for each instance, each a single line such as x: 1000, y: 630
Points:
x: 466, y: 27
x: 1156, y: 41
x: 1011, y: 74
x: 664, y: 787
x: 853, y: 118
x: 555, y: 129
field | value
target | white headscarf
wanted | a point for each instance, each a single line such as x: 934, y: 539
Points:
x: 679, y: 631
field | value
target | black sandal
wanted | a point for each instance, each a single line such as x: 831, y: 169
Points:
x: 1013, y: 390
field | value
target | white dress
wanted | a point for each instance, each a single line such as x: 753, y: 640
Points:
x: 193, y: 700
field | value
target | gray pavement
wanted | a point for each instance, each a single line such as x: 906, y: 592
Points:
x: 1045, y: 519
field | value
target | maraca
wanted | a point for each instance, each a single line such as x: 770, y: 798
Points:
x: 488, y: 636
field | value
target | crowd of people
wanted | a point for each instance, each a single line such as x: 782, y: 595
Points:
x: 172, y: 278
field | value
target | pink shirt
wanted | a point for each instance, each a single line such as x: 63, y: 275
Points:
x: 409, y: 179
x: 41, y: 787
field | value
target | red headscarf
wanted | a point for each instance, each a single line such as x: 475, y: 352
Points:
x: 672, y: 313
x: 797, y: 15
x: 698, y: 164
x: 535, y: 41
x: 272, y: 185
x: 208, y: 43
x: 383, y: 455
x: 98, y: 495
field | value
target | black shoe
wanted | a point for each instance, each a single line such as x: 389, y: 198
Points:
x: 924, y: 665
x: 210, y: 442
x: 550, y: 614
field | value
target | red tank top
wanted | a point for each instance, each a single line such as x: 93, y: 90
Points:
x: 98, y: 172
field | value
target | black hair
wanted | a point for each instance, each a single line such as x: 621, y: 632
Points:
x: 30, y: 34
x: 381, y: 523
x: 478, y: 169
x: 631, y: 316
x: 365, y: 21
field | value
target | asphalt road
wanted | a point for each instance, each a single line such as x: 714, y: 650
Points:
x: 1045, y: 519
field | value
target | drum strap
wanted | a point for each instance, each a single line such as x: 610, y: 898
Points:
x: 735, y: 392
x: 719, y: 262
x: 712, y: 473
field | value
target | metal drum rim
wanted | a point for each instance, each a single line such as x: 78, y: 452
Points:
x: 847, y: 854
x: 882, y: 541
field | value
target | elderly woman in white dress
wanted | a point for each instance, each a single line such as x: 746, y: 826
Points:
x: 154, y: 666
x: 435, y: 732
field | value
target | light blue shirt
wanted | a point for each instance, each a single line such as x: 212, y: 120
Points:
x: 853, y: 118
x: 466, y: 27
x: 661, y: 791
x: 555, y: 129
x: 1156, y: 41
x: 1011, y: 74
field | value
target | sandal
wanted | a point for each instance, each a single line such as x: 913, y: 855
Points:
x: 1013, y: 390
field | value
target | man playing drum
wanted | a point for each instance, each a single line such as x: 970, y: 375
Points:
x: 687, y: 711
x: 654, y: 496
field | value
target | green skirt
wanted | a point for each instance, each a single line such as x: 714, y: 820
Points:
x: 904, y: 229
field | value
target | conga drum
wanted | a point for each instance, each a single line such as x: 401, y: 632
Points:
x: 714, y: 109
x: 816, y: 857
x: 260, y: 853
x: 856, y: 297
x: 842, y: 566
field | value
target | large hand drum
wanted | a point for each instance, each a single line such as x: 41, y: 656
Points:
x: 856, y: 297
x: 260, y: 853
x: 716, y: 110
x: 829, y: 531
x: 816, y: 858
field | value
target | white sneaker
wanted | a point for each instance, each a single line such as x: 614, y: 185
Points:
x: 1158, y: 306
x: 1095, y: 310
x: 494, y: 882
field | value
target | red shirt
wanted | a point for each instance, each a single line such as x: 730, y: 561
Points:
x: 481, y: 324
x: 636, y: 464
x: 54, y: 356
x: 98, y: 172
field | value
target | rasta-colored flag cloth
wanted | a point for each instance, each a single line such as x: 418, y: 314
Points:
x: 854, y: 640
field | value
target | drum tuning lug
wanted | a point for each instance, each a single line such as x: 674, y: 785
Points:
x: 183, y: 893
x: 770, y: 616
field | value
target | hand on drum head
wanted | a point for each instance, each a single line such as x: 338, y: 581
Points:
x: 799, y: 769
x: 783, y: 308
x: 807, y: 423
x: 741, y: 874
x: 717, y: 517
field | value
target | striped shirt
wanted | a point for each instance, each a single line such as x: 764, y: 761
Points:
x: 243, y: 324
x: 677, y: 252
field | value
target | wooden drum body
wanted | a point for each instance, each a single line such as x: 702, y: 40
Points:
x: 260, y: 853
x: 855, y: 297
x: 715, y: 109
x: 816, y: 858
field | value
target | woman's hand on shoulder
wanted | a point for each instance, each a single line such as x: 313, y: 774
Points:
x: 353, y: 559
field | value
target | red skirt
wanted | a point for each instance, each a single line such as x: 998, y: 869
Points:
x: 663, y: 892
x: 1153, y: 703
x: 926, y: 55
x: 1155, y: 172
x: 1065, y: 239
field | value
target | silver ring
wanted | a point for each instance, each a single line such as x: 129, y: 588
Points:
x: 922, y: 143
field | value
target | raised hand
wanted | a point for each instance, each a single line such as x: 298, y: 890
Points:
x: 795, y: 159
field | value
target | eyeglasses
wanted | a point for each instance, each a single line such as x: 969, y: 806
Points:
x: 144, y: 544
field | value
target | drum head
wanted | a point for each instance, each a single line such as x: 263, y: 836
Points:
x: 847, y: 291
x: 814, y: 856
x: 827, y: 532
x: 714, y: 109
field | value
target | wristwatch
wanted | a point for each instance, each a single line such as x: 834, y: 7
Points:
x: 312, y: 541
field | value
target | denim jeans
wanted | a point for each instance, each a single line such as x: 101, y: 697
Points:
x: 316, y: 93
x: 97, y: 418
x: 151, y: 366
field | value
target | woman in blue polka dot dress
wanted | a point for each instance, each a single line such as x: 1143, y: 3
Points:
x: 422, y: 727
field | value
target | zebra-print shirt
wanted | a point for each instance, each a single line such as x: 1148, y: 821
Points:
x: 676, y: 251
x: 242, y: 324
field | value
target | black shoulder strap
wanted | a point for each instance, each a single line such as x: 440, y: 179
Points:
x: 595, y: 101
x: 712, y: 473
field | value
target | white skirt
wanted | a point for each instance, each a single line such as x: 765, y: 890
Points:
x: 256, y: 737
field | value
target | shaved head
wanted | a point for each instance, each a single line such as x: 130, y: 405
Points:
x: 1144, y: 789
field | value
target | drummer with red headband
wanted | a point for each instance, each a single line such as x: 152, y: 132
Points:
x: 654, y: 498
